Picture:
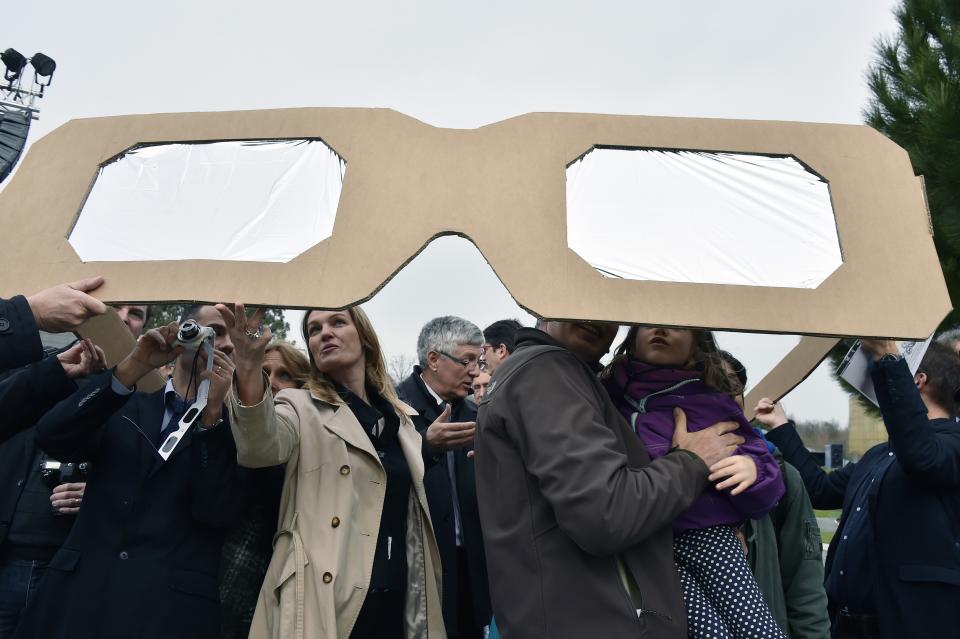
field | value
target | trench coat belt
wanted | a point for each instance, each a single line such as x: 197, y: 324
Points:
x: 300, y: 557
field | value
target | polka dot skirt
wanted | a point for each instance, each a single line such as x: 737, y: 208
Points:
x: 722, y: 597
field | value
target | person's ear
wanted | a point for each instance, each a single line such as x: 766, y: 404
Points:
x: 432, y: 359
x: 920, y: 379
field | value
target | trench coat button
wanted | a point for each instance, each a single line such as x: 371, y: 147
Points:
x: 4, y: 325
x: 327, y: 577
x: 335, y: 522
x: 124, y: 555
x: 344, y: 470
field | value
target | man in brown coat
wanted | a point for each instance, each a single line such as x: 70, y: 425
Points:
x: 576, y: 518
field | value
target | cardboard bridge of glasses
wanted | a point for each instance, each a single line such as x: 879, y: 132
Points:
x: 630, y: 219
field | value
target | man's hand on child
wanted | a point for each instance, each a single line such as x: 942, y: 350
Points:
x: 709, y: 444
x: 739, y: 471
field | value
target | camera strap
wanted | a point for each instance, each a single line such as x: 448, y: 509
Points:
x: 203, y: 390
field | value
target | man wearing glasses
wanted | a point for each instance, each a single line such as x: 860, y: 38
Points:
x: 449, y: 352
x: 499, y: 340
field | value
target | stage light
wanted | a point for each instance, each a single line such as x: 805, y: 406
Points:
x: 14, y: 61
x: 18, y: 103
x: 44, y: 66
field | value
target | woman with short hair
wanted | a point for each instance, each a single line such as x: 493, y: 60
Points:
x: 355, y: 555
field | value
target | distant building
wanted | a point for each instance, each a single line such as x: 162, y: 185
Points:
x: 865, y: 431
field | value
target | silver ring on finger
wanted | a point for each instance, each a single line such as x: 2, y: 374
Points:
x: 254, y: 334
x: 219, y: 369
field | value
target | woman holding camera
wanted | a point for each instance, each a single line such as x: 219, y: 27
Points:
x: 355, y: 555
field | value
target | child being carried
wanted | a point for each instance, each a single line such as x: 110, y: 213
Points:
x: 656, y: 371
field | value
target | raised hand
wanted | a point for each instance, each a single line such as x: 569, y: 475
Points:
x: 153, y: 350
x: 66, y: 306
x: 443, y: 435
x: 82, y: 359
x: 877, y: 348
x: 770, y: 414
x: 739, y: 471
x: 220, y: 376
x: 250, y: 339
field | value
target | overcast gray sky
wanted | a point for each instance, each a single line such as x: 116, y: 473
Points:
x: 462, y: 65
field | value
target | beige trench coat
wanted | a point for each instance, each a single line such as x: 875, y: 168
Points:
x: 333, y: 494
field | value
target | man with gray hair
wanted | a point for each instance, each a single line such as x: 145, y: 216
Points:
x: 449, y: 352
x: 951, y: 339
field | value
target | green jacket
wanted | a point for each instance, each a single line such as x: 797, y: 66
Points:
x: 785, y: 554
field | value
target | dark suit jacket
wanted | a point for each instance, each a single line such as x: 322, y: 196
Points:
x: 143, y: 555
x: 436, y: 482
x: 19, y: 340
x: 914, y: 508
x: 26, y: 396
x: 28, y: 393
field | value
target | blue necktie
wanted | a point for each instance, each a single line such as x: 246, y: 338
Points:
x: 179, y: 409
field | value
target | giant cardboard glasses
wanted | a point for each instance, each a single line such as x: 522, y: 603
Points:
x: 813, y: 229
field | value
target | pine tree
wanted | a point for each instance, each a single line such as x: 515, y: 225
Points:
x: 915, y: 86
x: 915, y: 82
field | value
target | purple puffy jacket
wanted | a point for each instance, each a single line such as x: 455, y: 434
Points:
x: 647, y: 395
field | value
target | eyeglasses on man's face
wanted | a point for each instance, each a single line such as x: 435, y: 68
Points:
x: 466, y: 362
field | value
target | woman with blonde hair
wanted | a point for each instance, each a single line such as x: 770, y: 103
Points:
x: 285, y: 366
x: 355, y: 555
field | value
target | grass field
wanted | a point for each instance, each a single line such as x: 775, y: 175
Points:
x: 827, y: 535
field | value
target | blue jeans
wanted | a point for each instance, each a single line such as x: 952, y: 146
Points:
x: 19, y: 582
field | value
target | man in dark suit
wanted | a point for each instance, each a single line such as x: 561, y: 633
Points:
x: 893, y: 567
x: 449, y: 350
x: 30, y: 529
x: 142, y: 557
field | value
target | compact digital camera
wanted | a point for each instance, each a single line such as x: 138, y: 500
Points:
x: 53, y: 473
x: 191, y: 335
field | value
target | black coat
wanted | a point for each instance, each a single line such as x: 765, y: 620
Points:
x: 25, y: 396
x: 436, y: 482
x: 914, y: 508
x: 143, y: 556
x: 19, y: 340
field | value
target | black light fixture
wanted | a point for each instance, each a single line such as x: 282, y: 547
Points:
x: 44, y: 66
x: 15, y: 62
x: 18, y: 103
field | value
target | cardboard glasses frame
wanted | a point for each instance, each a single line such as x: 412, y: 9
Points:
x: 502, y: 186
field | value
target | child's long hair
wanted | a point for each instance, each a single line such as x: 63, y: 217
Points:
x: 706, y: 356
